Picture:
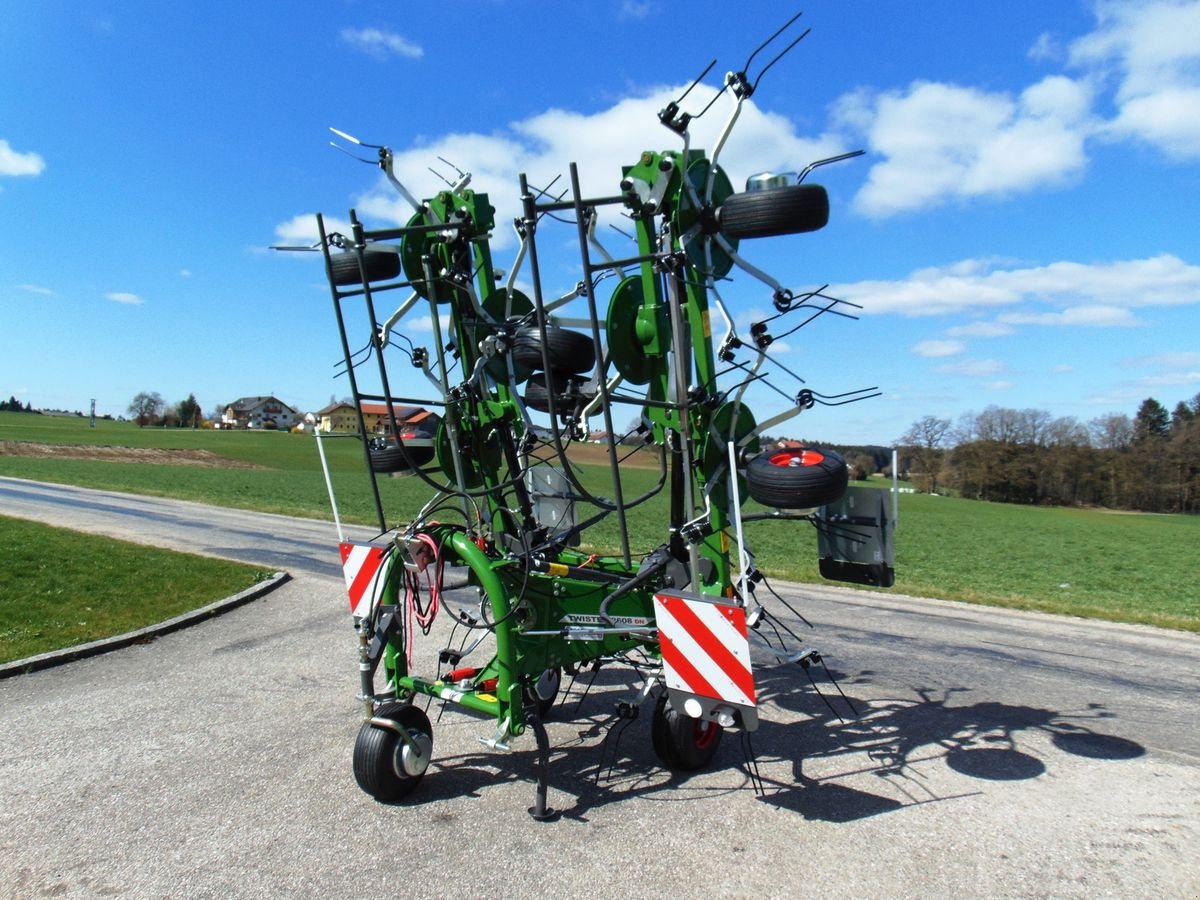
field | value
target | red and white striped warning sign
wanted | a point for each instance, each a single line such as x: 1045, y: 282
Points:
x: 705, y: 649
x: 365, y: 569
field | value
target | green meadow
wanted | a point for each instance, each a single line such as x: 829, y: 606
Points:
x: 1085, y: 562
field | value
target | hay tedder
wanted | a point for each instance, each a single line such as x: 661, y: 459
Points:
x: 518, y: 384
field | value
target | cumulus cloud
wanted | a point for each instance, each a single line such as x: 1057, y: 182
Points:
x: 301, y: 230
x: 14, y: 164
x: 1096, y: 316
x: 124, y: 297
x: 543, y: 145
x: 942, y: 142
x: 1062, y: 293
x: 1151, y: 50
x: 381, y: 44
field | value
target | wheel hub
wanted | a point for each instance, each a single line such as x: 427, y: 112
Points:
x: 414, y: 760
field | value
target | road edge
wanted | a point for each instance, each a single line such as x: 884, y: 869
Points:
x: 150, y: 632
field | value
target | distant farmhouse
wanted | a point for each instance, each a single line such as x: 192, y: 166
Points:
x: 259, y: 412
x: 339, y: 418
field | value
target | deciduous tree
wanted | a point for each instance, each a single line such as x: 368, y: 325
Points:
x: 146, y: 407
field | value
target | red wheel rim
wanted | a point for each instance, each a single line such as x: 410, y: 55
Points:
x: 704, y: 733
x: 796, y: 458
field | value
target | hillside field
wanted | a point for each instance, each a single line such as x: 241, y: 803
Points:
x: 1088, y: 562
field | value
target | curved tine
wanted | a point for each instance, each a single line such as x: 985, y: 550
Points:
x: 825, y: 162
x: 352, y: 139
x: 824, y: 399
x: 781, y: 55
x: 780, y: 31
x: 698, y: 79
x: 361, y: 159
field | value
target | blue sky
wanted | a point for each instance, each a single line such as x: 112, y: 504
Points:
x: 1021, y: 231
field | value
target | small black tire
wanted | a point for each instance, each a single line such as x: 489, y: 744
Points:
x: 568, y: 392
x: 385, y: 766
x: 379, y: 265
x: 797, y: 478
x: 794, y: 209
x: 390, y: 457
x: 682, y: 744
x: 567, y: 351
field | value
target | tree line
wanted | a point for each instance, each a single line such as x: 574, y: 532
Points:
x: 148, y: 408
x: 1150, y: 462
x: 12, y: 404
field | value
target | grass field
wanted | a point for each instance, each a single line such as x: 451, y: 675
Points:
x: 59, y: 588
x: 1134, y: 568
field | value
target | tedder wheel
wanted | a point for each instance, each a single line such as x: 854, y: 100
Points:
x: 799, y: 478
x: 787, y: 210
x: 379, y: 264
x: 682, y: 743
x: 568, y: 351
x: 567, y: 392
x: 388, y: 456
x: 385, y: 765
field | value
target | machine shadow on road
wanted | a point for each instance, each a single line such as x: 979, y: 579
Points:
x: 887, y: 737
x: 811, y: 751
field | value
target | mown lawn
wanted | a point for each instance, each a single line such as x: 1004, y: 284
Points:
x: 59, y: 588
x: 1125, y: 567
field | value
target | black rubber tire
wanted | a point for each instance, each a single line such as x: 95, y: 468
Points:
x: 569, y: 351
x: 797, y: 478
x: 794, y: 209
x: 390, y: 457
x: 379, y: 264
x: 682, y: 743
x: 568, y: 392
x: 379, y: 758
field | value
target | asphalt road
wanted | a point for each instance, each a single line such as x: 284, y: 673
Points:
x: 993, y: 754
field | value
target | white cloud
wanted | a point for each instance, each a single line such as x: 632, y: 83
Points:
x: 1152, y: 50
x: 14, y: 164
x: 1062, y: 369
x: 1097, y: 291
x: 1171, y: 379
x: 981, y: 329
x: 1172, y: 358
x: 36, y: 289
x: 1095, y: 316
x: 634, y: 9
x: 1045, y: 48
x: 381, y: 44
x: 124, y: 297
x: 942, y: 142
x: 933, y: 349
x: 974, y: 368
x: 185, y: 273
x: 997, y: 385
x: 543, y: 146
x: 302, y: 230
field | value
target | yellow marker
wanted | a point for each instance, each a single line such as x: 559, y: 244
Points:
x: 557, y: 569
